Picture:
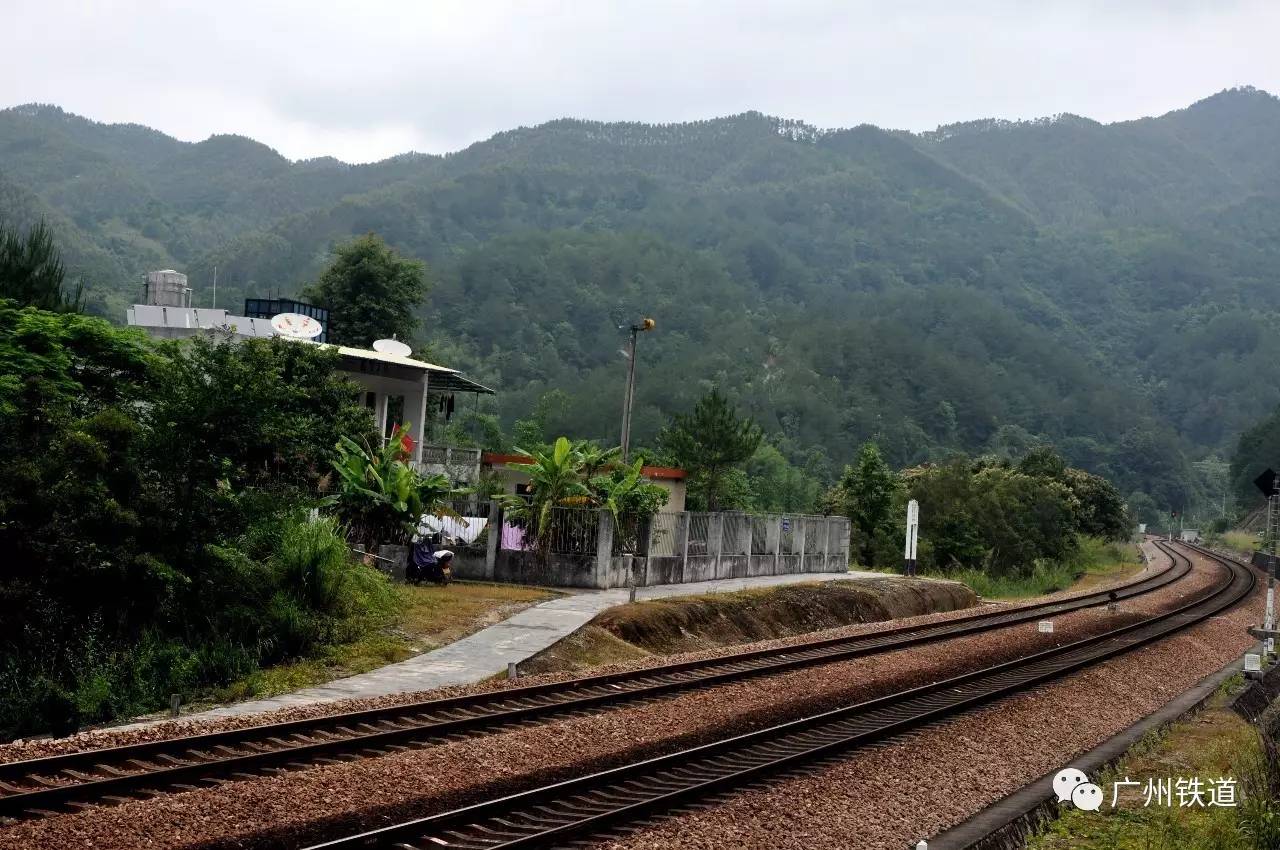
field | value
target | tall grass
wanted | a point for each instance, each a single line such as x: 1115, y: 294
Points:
x: 1092, y: 557
x: 1258, y: 817
x: 1240, y: 541
x: 1044, y: 578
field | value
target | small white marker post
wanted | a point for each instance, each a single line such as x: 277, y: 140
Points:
x: 1045, y: 627
x: 913, y: 534
x: 512, y: 672
x: 922, y: 845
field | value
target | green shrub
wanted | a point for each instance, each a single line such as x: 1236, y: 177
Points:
x: 316, y: 568
x: 311, y: 560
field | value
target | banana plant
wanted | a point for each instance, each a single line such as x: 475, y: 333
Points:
x: 630, y: 501
x: 381, y: 496
x: 614, y: 491
x: 555, y: 480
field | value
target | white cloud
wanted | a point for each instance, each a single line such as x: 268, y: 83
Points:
x: 365, y: 80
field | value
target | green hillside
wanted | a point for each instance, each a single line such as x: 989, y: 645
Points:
x: 1109, y: 288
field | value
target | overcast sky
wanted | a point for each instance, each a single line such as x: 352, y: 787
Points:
x: 365, y: 80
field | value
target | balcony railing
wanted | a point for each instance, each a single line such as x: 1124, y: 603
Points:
x: 458, y: 463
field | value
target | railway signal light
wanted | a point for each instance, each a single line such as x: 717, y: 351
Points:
x: 1266, y: 482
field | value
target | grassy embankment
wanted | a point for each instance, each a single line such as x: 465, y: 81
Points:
x: 425, y: 618
x: 1244, y: 542
x: 1211, y: 744
x: 684, y: 624
x: 430, y: 616
x: 1096, y: 562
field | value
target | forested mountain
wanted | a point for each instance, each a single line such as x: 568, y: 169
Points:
x: 1109, y: 288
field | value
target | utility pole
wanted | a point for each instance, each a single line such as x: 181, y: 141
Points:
x: 214, y: 305
x: 629, y: 396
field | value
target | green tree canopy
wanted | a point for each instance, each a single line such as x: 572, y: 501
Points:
x: 709, y: 443
x: 31, y: 270
x: 777, y: 485
x: 1257, y: 449
x: 371, y: 292
x: 1100, y: 510
x: 990, y: 516
x: 141, y: 508
x: 866, y: 495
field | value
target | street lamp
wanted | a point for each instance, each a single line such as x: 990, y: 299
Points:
x: 630, y: 354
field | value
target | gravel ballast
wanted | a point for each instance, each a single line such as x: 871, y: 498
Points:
x: 889, y: 796
x: 293, y: 808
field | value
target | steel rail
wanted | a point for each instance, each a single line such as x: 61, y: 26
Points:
x: 577, y: 808
x: 43, y: 785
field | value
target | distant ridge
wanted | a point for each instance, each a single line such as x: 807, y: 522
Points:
x: 984, y: 286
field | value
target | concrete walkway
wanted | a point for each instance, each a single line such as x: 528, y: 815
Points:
x: 488, y: 651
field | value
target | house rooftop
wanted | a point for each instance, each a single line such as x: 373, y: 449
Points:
x: 183, y: 321
x: 443, y: 379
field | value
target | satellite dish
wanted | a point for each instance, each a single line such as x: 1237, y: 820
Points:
x: 296, y: 326
x: 392, y: 346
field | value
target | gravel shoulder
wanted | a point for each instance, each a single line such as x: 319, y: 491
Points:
x: 290, y: 809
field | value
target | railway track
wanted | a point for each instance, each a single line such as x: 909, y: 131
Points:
x: 40, y: 786
x: 574, y: 810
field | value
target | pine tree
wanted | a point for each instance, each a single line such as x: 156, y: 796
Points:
x: 31, y: 271
x: 710, y: 443
x: 867, y: 489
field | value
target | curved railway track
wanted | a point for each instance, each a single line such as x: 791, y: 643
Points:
x: 578, y: 808
x: 54, y: 783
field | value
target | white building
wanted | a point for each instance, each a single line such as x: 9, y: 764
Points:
x: 395, y: 389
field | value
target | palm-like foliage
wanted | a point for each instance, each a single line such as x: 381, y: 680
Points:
x: 617, y: 492
x: 596, y: 460
x: 579, y: 475
x: 381, y: 497
x: 555, y: 480
x: 630, y: 500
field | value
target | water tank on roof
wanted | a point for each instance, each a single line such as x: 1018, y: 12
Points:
x: 167, y: 288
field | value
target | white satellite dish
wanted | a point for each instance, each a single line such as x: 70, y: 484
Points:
x: 296, y: 326
x: 392, y: 346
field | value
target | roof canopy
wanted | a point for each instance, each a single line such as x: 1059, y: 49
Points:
x: 439, y: 378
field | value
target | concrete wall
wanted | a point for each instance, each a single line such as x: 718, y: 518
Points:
x: 827, y: 550
x: 675, y: 488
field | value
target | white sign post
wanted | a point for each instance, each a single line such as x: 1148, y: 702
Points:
x: 913, y: 533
